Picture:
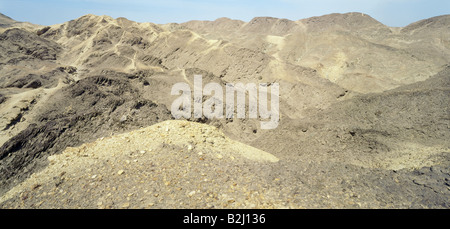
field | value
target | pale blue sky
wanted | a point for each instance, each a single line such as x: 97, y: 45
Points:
x: 389, y: 12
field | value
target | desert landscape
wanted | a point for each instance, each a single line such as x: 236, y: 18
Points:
x: 364, y: 115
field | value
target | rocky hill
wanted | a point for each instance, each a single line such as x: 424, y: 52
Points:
x: 6, y: 21
x: 85, y: 117
x: 352, y: 50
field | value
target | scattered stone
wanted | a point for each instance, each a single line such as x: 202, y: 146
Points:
x: 190, y: 194
x: 126, y: 205
x: 123, y: 118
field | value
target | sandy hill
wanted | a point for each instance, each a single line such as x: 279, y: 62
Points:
x: 6, y: 21
x: 196, y: 163
x: 85, y: 114
x: 426, y: 25
x: 355, y: 22
x: 352, y: 50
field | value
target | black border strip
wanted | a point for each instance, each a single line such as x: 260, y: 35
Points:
x: 272, y: 218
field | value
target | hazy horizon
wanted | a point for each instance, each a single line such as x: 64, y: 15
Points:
x: 394, y: 13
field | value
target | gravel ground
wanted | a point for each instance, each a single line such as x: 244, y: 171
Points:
x: 180, y: 164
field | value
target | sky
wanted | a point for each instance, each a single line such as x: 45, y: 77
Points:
x: 395, y: 13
